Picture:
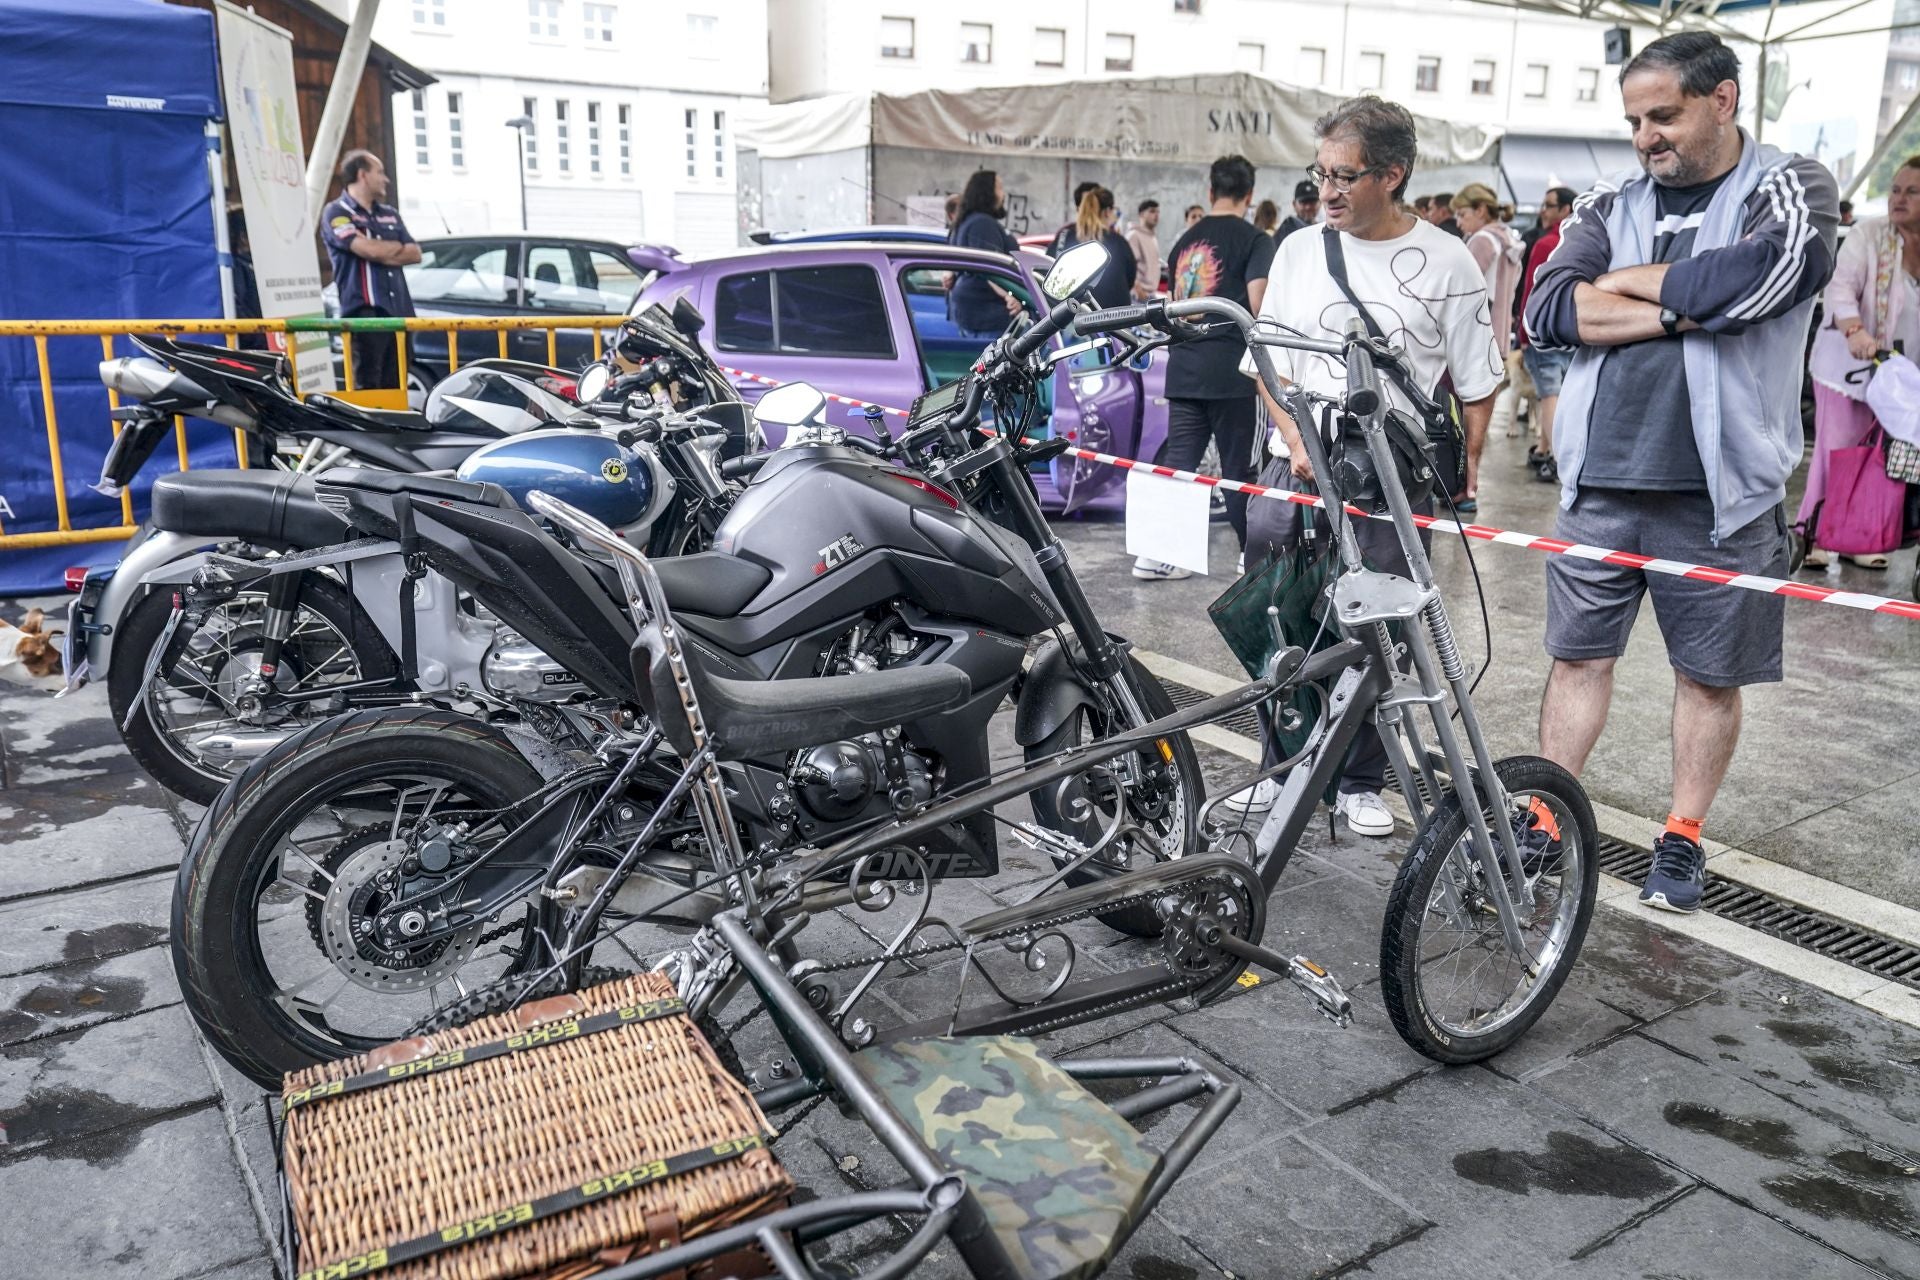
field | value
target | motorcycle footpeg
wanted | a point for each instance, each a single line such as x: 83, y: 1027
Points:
x: 1321, y: 987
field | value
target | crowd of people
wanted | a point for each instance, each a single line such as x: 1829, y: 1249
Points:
x: 1652, y: 332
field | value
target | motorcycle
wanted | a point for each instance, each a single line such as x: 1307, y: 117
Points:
x: 221, y: 674
x: 845, y: 563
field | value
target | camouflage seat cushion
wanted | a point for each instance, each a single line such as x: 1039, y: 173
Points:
x: 1057, y: 1174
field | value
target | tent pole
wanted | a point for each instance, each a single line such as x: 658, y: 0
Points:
x: 340, y: 96
x: 217, y: 171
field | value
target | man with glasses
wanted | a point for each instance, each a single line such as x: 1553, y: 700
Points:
x: 1422, y: 290
x: 1545, y: 368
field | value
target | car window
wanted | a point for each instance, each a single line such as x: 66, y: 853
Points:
x: 467, y: 271
x: 559, y: 278
x: 946, y: 350
x: 615, y: 278
x: 826, y: 311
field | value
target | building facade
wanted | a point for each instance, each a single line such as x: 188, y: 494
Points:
x: 626, y: 111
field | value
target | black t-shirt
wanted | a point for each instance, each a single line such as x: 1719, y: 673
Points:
x: 1113, y: 286
x: 976, y: 307
x: 1218, y: 257
x: 1640, y: 432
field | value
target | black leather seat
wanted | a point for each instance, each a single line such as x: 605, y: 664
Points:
x: 711, y: 583
x: 748, y: 718
x: 270, y: 507
x: 374, y: 419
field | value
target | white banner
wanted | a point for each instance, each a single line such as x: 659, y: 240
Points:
x: 263, y: 128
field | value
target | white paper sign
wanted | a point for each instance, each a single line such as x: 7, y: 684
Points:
x: 1167, y: 520
x: 263, y: 128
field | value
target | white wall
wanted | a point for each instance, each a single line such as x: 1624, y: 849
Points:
x: 666, y: 58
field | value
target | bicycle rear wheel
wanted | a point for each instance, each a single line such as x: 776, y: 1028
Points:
x: 1452, y: 988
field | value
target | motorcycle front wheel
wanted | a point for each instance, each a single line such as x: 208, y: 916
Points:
x: 272, y: 938
x: 1165, y: 806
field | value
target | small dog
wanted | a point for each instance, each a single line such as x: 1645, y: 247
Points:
x: 30, y: 654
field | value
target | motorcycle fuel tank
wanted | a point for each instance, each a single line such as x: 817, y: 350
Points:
x: 623, y: 488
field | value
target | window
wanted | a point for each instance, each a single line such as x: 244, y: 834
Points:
x: 1119, y: 51
x: 703, y: 35
x: 719, y: 144
x: 976, y: 42
x: 562, y: 137
x: 543, y: 19
x: 1373, y: 71
x: 1589, y: 89
x: 1909, y: 75
x: 1250, y: 57
x: 896, y: 37
x: 1310, y: 68
x: 422, y: 157
x: 935, y: 297
x: 1481, y: 84
x: 1049, y: 47
x: 578, y: 281
x: 456, y: 133
x: 1186, y: 6
x: 1536, y: 80
x: 1426, y: 75
x: 593, y: 138
x: 599, y: 23
x: 430, y: 15
x: 693, y: 157
x: 829, y: 311
x: 463, y: 271
x: 529, y: 140
x: 626, y: 140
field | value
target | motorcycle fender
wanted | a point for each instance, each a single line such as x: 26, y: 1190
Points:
x: 1052, y: 689
x: 126, y: 586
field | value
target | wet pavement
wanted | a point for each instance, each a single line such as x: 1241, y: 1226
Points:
x: 1678, y: 1112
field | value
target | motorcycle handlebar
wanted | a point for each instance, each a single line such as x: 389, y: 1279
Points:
x: 1048, y: 325
x: 1363, y: 380
x: 1111, y: 319
x: 742, y: 467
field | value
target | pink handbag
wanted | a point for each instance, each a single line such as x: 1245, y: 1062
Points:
x: 1862, y: 513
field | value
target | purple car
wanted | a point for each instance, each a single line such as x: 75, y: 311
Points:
x: 871, y: 321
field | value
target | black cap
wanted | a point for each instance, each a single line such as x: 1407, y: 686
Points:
x: 1306, y: 189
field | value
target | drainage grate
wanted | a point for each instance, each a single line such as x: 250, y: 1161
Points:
x: 1816, y: 932
x: 1730, y: 900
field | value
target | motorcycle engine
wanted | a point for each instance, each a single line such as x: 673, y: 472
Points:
x: 839, y: 781
x: 515, y: 668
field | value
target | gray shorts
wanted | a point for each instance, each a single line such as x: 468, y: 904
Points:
x: 1715, y: 635
x: 1548, y: 369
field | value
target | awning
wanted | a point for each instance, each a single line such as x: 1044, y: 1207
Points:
x: 1529, y: 164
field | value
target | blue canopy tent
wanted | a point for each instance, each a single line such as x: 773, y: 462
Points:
x: 106, y: 213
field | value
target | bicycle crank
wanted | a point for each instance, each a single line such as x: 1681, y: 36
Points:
x: 1313, y: 981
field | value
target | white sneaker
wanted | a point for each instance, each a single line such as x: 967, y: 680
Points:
x: 1258, y: 798
x: 1365, y: 813
x: 1155, y: 571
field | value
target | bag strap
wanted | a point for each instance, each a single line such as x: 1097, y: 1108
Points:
x: 1337, y: 268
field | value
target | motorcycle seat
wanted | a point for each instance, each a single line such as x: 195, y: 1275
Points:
x: 711, y: 583
x: 374, y: 419
x: 263, y: 506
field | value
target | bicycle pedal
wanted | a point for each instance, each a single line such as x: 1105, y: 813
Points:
x: 1323, y: 989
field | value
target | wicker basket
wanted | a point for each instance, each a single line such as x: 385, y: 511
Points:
x: 526, y: 1144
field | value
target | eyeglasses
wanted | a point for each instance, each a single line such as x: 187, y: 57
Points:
x: 1342, y: 180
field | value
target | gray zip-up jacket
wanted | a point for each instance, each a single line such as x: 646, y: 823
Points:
x: 1760, y: 258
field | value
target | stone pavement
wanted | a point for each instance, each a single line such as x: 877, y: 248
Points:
x: 1676, y: 1113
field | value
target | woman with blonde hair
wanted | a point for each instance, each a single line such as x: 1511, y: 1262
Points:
x: 1497, y: 252
x: 1093, y: 224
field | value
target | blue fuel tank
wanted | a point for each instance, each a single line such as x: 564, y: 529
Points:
x: 623, y: 488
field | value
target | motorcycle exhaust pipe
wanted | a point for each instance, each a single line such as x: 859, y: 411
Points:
x: 145, y: 379
x: 235, y: 748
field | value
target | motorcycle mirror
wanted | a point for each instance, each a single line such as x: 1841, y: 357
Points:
x: 593, y: 383
x: 1074, y: 269
x: 792, y: 405
x: 687, y: 318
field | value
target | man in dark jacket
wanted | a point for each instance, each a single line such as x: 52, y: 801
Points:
x: 1306, y: 210
x: 369, y: 247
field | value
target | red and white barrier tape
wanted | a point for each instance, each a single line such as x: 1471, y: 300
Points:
x: 1481, y: 532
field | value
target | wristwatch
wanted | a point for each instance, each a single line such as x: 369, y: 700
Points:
x: 1670, y: 321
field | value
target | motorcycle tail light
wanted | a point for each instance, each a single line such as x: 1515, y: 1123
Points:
x: 76, y: 577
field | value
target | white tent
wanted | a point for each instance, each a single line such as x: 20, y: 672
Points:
x: 852, y: 159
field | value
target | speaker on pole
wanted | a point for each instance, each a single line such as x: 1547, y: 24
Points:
x: 1619, y: 45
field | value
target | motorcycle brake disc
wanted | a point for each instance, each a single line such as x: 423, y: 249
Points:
x: 363, y: 882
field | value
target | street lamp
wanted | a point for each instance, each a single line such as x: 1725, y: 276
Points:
x: 519, y: 125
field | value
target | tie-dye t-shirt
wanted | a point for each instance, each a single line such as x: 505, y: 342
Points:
x: 1216, y: 258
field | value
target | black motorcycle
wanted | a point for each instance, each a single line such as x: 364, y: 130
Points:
x: 401, y: 844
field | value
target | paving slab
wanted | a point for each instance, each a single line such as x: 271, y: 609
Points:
x: 1854, y: 1194
x: 1646, y: 971
x: 106, y: 1077
x: 67, y: 849
x: 1702, y: 1235
x: 87, y: 924
x: 80, y: 995
x: 163, y: 1201
x: 1468, y: 1149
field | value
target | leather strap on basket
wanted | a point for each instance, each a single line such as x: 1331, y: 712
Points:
x: 456, y: 1234
x: 569, y: 1028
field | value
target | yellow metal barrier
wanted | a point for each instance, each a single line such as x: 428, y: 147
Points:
x: 231, y: 330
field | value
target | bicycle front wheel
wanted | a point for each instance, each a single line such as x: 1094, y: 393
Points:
x: 1452, y: 987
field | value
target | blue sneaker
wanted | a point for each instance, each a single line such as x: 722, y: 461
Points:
x: 1539, y: 846
x: 1678, y: 876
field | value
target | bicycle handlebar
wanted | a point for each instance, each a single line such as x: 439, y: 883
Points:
x: 1363, y: 380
